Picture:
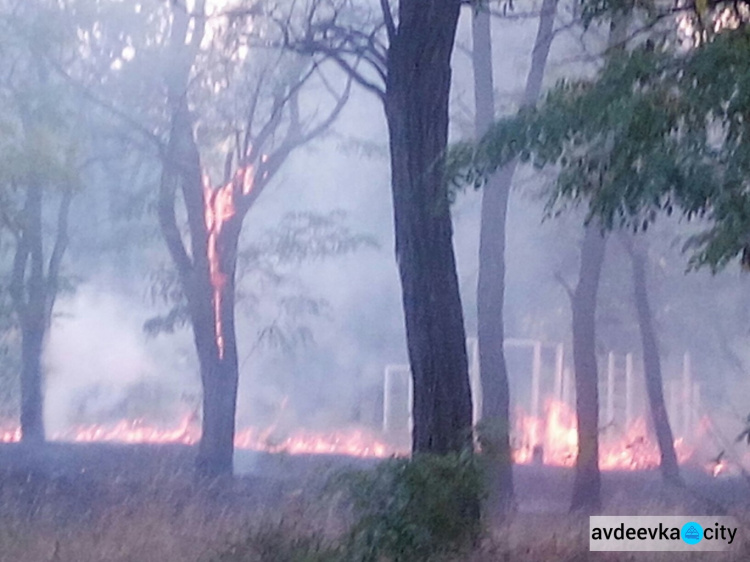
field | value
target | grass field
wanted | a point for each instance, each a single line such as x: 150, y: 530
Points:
x: 139, y: 504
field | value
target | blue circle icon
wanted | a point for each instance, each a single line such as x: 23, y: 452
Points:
x: 692, y: 533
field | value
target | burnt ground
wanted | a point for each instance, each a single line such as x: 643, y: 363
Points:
x: 83, y: 477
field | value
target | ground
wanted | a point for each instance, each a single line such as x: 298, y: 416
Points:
x: 98, y: 502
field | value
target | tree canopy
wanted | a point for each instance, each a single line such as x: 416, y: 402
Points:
x: 662, y: 127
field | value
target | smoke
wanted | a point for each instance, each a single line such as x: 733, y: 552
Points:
x: 100, y: 366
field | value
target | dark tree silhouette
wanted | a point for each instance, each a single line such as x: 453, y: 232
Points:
x: 405, y: 61
x: 587, y: 481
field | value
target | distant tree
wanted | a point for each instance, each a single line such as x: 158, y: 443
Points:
x: 587, y: 482
x: 638, y: 251
x: 671, y: 110
x: 495, y: 435
x: 501, y: 145
x: 38, y: 163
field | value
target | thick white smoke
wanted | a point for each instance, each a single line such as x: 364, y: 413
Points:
x: 100, y: 365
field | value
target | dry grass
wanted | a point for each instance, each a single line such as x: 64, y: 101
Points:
x: 167, y: 518
x: 172, y: 520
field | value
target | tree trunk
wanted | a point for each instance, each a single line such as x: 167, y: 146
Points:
x: 210, y: 295
x: 33, y: 295
x: 652, y: 363
x: 416, y: 104
x: 32, y: 339
x: 587, y: 482
x: 28, y: 293
x: 220, y: 377
x: 219, y: 361
x: 491, y: 282
x: 208, y: 287
x: 214, y: 219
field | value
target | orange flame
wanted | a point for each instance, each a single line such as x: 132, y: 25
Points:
x: 220, y: 207
x: 555, y: 440
x: 10, y: 435
x: 351, y: 442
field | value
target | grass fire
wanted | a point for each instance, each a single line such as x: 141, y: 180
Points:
x: 374, y: 281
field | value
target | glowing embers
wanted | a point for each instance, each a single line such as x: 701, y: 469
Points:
x: 10, y: 435
x: 350, y: 442
x: 219, y: 208
x: 135, y: 431
x: 554, y: 441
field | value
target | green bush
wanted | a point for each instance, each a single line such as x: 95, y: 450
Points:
x: 418, y: 509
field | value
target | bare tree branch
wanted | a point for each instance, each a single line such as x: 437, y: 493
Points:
x: 390, y: 26
x: 346, y: 45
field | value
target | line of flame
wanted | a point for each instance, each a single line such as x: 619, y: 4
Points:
x: 219, y: 207
x: 350, y: 442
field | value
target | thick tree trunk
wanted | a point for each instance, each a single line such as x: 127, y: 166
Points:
x: 587, y: 482
x: 220, y: 376
x: 416, y: 104
x: 491, y: 281
x: 652, y: 363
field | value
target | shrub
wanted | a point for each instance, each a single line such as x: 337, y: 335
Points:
x: 418, y: 509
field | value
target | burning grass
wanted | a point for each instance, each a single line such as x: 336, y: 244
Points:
x: 353, y: 441
x: 550, y: 439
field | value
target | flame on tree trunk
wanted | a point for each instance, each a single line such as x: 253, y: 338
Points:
x: 206, y: 272
x: 206, y: 262
x: 214, y: 219
x: 218, y: 355
x: 220, y: 208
